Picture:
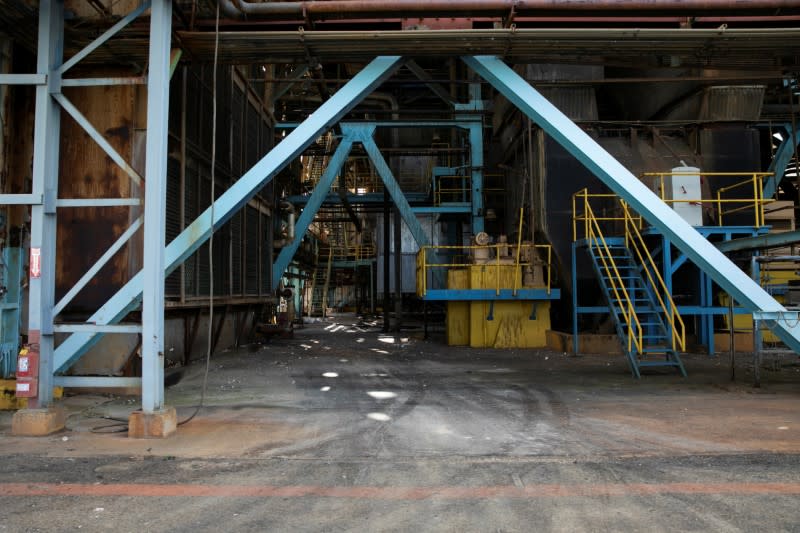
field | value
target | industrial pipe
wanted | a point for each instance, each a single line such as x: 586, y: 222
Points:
x: 407, y: 8
x: 289, y: 208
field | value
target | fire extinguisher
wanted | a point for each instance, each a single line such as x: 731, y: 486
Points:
x: 28, y: 372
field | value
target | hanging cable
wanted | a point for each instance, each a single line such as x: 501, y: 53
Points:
x: 210, y: 333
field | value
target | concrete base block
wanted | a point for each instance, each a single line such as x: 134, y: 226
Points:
x: 158, y: 425
x: 38, y: 422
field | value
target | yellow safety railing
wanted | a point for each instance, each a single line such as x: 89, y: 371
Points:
x: 631, y: 226
x: 753, y: 181
x: 355, y: 252
x: 496, y: 262
x: 451, y: 189
x: 594, y: 235
x: 584, y: 197
x: 635, y: 242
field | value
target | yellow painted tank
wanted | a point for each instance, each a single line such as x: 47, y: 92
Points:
x: 505, y: 324
x: 458, y: 312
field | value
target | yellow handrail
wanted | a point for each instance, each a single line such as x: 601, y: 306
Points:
x: 677, y: 326
x: 754, y: 179
x: 423, y: 266
x: 595, y: 236
x: 634, y: 240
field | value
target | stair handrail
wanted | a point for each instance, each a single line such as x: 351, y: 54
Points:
x: 634, y: 237
x: 594, y: 234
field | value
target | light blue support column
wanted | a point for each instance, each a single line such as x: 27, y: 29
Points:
x: 312, y: 206
x: 46, y: 137
x: 190, y: 239
x: 475, y: 126
x: 364, y: 135
x: 10, y: 309
x: 626, y: 185
x: 155, y: 207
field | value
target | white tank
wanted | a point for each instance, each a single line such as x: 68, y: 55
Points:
x: 685, y: 190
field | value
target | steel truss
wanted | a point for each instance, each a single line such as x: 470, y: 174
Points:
x: 147, y: 287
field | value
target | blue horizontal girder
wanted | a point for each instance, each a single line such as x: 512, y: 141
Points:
x: 491, y: 294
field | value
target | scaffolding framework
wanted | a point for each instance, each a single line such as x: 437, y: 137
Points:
x: 147, y: 287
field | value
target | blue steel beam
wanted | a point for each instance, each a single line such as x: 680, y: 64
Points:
x: 330, y: 112
x: 627, y: 186
x: 108, y: 34
x: 364, y: 133
x: 760, y: 242
x: 475, y: 153
x: 312, y: 207
x: 97, y: 137
x: 491, y: 295
x: 46, y: 142
x: 780, y: 161
x: 23, y: 79
x: 155, y: 207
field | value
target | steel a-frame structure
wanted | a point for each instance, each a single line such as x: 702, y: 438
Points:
x: 147, y: 287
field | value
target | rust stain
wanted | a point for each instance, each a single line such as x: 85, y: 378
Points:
x: 88, y: 172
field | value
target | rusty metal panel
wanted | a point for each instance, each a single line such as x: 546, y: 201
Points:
x: 732, y: 103
x: 578, y: 103
x: 87, y: 172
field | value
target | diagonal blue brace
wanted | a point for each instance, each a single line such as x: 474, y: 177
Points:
x: 198, y: 232
x: 626, y: 185
x: 312, y: 207
x: 780, y: 161
x: 364, y: 133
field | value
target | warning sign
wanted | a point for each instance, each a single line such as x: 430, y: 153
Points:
x: 36, y: 262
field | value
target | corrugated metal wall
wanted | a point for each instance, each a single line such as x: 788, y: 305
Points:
x: 241, y: 250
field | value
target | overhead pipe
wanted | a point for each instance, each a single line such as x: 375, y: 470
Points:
x: 292, y: 216
x: 290, y: 233
x: 406, y: 8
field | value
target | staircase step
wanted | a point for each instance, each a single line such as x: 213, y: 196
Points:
x: 657, y: 349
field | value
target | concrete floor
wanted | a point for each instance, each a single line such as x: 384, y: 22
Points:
x: 345, y: 429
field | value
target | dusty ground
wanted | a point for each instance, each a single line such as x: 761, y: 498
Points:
x: 346, y: 429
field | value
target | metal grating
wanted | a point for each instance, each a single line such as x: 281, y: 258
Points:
x: 251, y: 250
x: 172, y: 285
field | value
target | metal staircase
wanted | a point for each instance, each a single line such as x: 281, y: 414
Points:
x: 646, y: 319
x: 320, y: 283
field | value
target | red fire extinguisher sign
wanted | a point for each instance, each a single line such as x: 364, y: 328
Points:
x: 36, y: 263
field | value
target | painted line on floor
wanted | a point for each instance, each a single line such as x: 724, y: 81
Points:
x: 395, y: 493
